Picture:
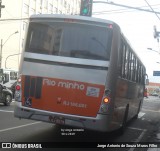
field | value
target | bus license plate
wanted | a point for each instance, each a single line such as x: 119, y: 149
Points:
x: 58, y: 120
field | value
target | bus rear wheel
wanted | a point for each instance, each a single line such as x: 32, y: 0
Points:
x: 139, y: 107
x: 124, y: 123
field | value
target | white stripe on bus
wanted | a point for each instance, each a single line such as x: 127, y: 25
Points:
x: 80, y: 61
x: 71, y: 73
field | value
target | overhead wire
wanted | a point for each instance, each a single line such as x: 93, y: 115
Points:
x: 152, y: 9
x: 128, y: 7
x: 120, y: 10
x: 13, y: 19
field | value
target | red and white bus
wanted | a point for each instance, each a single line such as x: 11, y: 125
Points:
x: 79, y: 71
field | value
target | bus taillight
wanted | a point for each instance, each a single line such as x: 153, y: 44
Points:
x: 18, y: 92
x: 18, y: 87
x: 104, y: 105
x: 106, y: 100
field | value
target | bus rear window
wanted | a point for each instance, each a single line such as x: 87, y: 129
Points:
x: 70, y: 40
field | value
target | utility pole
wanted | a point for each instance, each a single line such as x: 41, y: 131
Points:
x: 1, y: 6
x: 1, y: 52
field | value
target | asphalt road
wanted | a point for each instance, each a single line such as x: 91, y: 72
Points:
x: 146, y: 129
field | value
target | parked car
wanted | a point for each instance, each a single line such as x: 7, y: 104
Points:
x: 13, y: 88
x: 6, y: 95
x: 154, y: 94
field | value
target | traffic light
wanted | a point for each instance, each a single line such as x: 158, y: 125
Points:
x: 155, y: 32
x: 86, y: 8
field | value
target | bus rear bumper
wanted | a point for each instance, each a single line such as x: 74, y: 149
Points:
x: 98, y: 123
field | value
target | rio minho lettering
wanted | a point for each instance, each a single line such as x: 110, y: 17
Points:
x: 68, y: 85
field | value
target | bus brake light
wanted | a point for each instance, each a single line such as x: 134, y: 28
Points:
x: 110, y: 26
x: 18, y: 87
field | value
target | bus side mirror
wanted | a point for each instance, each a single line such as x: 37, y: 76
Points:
x: 147, y: 82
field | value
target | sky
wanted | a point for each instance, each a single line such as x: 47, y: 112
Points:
x: 137, y: 26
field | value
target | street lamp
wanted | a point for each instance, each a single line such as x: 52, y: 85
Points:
x: 10, y: 56
x: 2, y: 44
x: 153, y: 50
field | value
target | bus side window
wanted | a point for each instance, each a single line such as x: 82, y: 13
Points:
x: 13, y: 75
x: 121, y: 59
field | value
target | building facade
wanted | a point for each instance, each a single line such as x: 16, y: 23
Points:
x: 153, y: 87
x: 14, y: 21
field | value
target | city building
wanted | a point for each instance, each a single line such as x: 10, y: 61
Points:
x: 153, y: 87
x: 14, y: 20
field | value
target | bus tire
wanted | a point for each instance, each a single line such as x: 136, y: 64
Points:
x: 136, y: 116
x: 8, y: 100
x: 124, y: 123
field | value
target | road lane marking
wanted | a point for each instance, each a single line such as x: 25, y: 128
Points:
x: 141, y: 114
x: 134, y: 128
x: 138, y: 139
x: 7, y: 129
x: 6, y: 111
x: 141, y: 136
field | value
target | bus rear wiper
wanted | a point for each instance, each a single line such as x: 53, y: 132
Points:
x: 87, y: 54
